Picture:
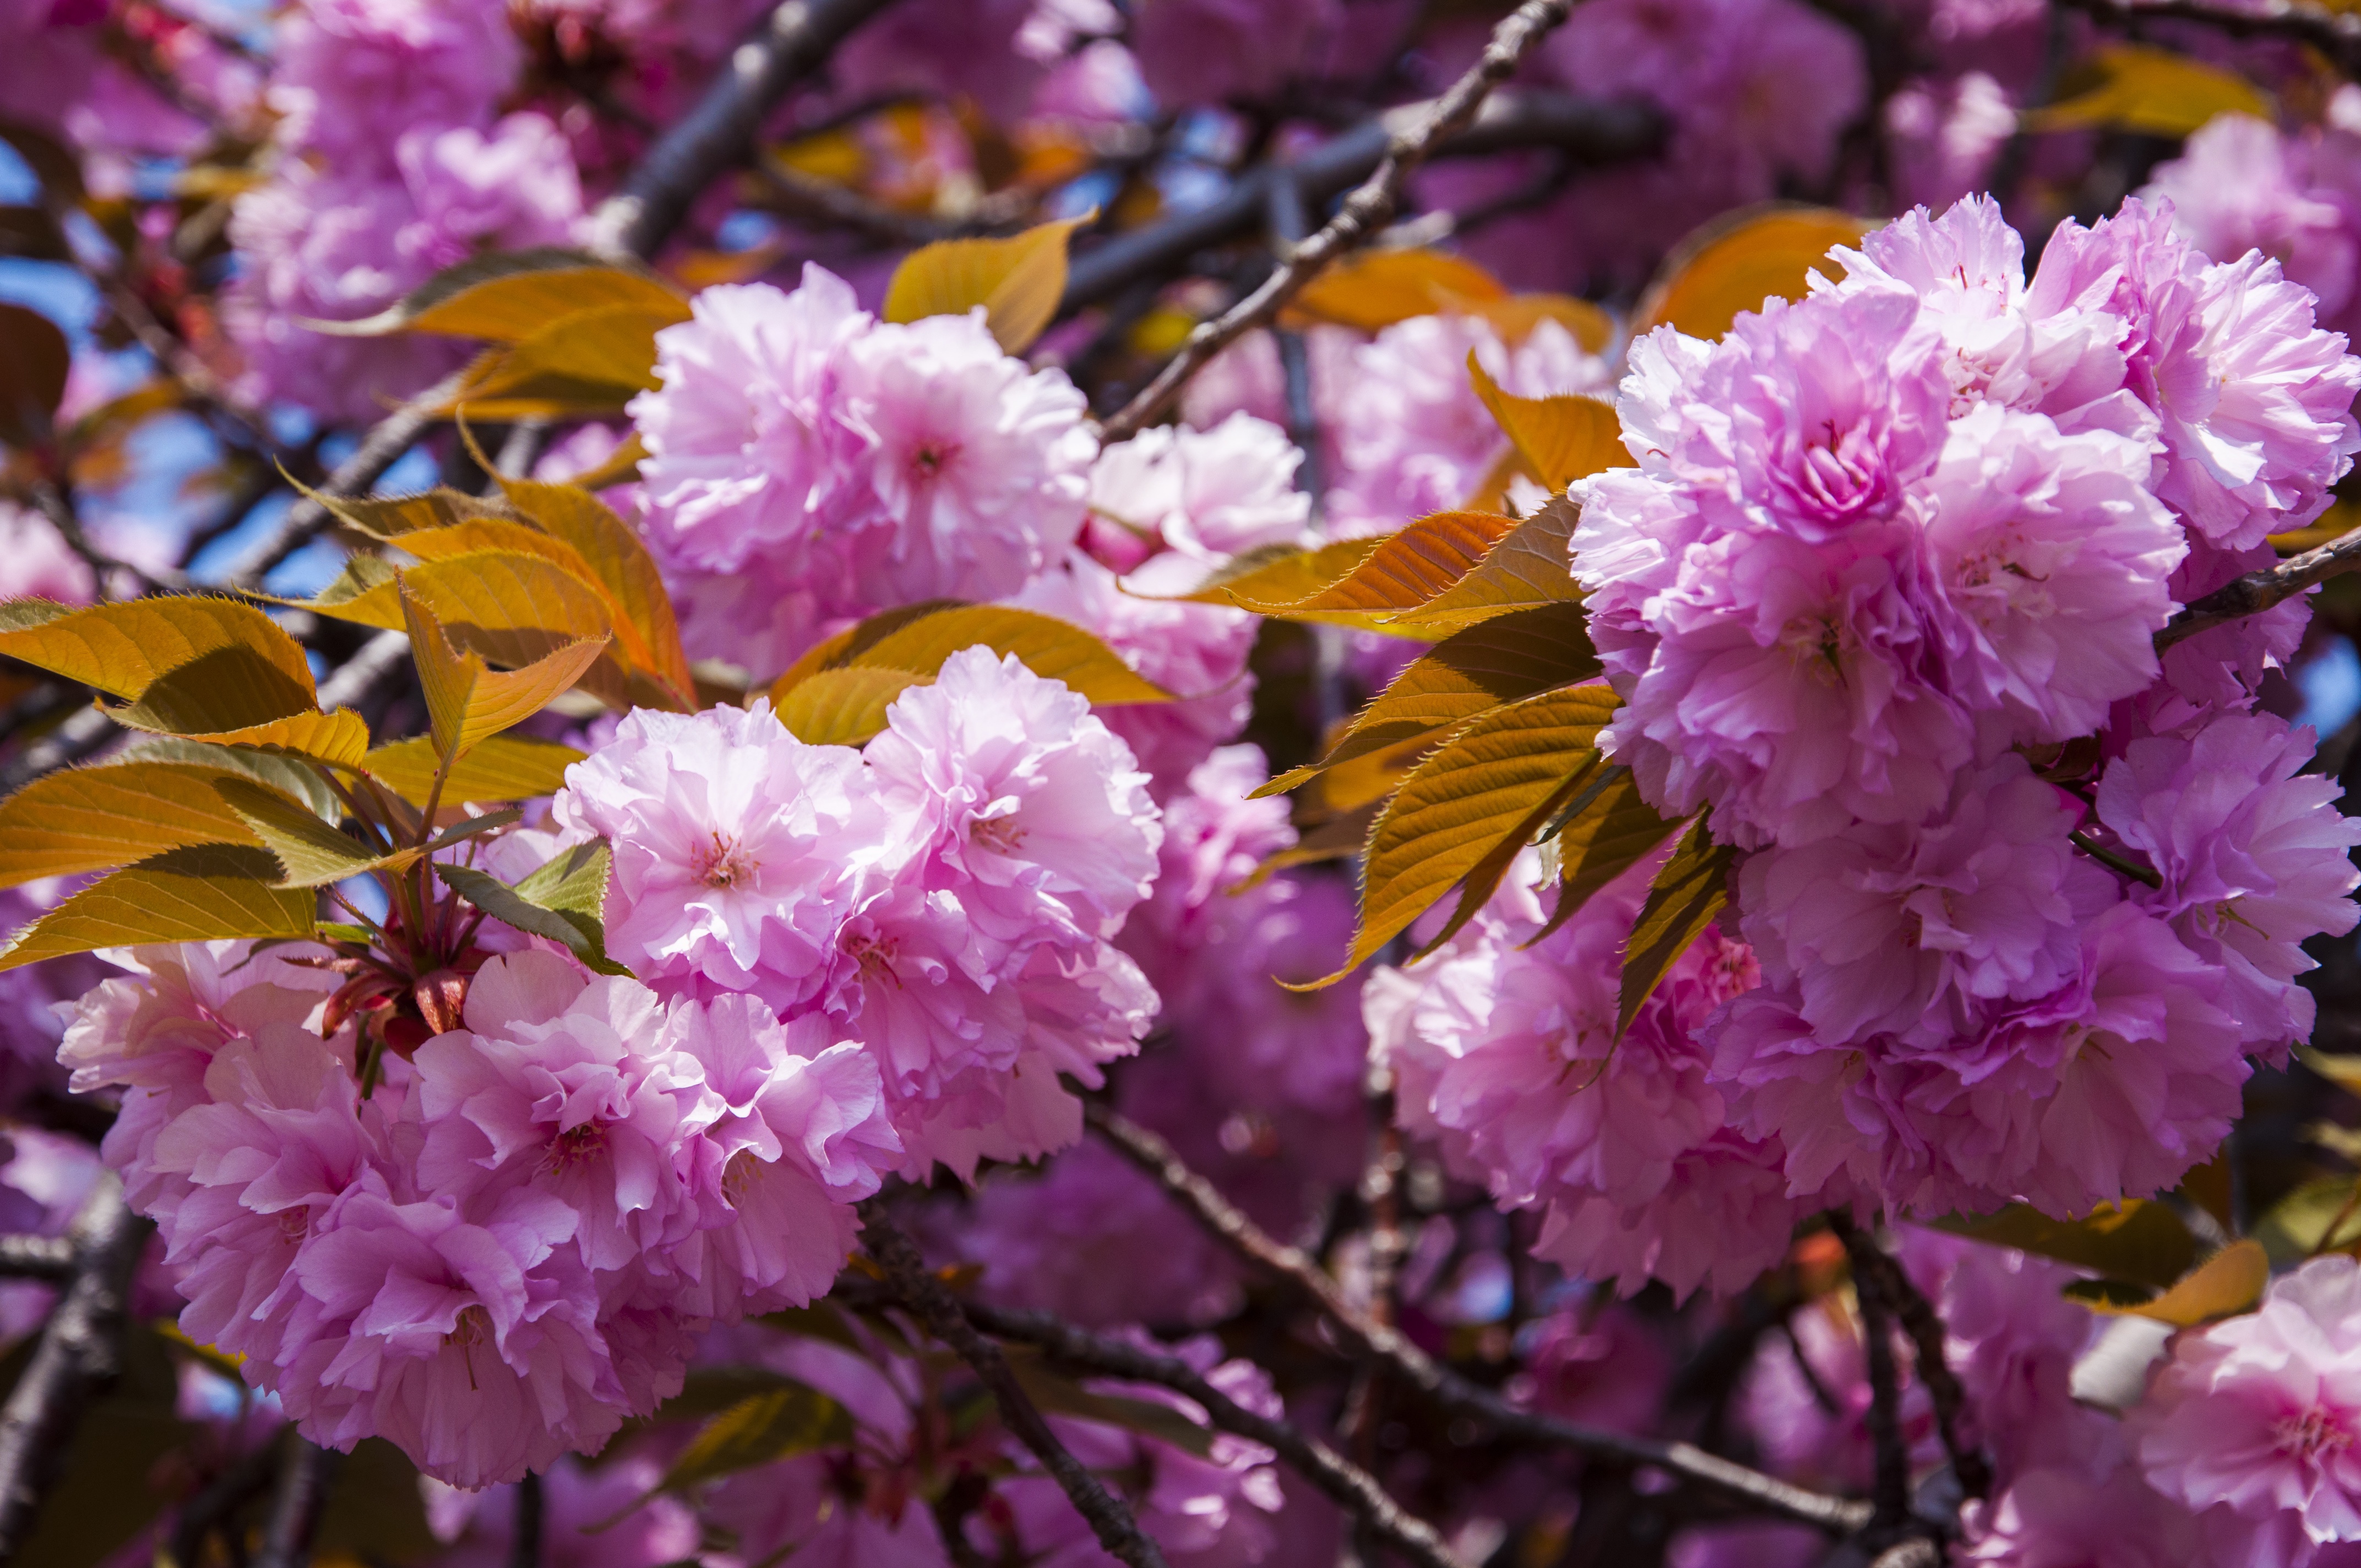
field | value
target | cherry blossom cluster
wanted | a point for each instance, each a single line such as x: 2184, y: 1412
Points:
x: 810, y: 464
x: 354, y: 217
x: 503, y: 1252
x: 943, y: 899
x: 1881, y: 598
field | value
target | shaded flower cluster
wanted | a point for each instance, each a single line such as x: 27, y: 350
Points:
x: 501, y: 1252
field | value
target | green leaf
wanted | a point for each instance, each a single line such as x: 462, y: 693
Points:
x: 1474, y: 672
x: 1406, y: 571
x: 1272, y: 577
x: 1369, y: 291
x: 1559, y: 439
x: 466, y: 701
x: 562, y: 901
x: 1058, y: 1395
x: 2151, y: 91
x: 2228, y: 1283
x: 506, y: 297
x: 760, y: 1428
x: 1603, y: 832
x: 34, y: 362
x: 2136, y: 1240
x: 122, y: 649
x: 1738, y: 261
x: 2322, y: 1215
x: 95, y: 818
x: 1529, y: 566
x: 844, y: 708
x: 1456, y: 808
x: 621, y: 566
x: 592, y: 362
x: 310, y: 852
x: 1018, y: 281
x: 284, y: 774
x: 921, y: 637
x: 340, y: 739
x: 505, y: 767
x: 1484, y: 879
x: 199, y: 894
x: 1690, y: 889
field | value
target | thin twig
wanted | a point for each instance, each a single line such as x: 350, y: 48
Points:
x: 932, y: 1301
x: 1890, y: 1490
x: 1920, y: 1321
x: 2259, y: 591
x: 792, y: 43
x: 297, y: 1502
x: 79, y: 1354
x: 1346, y: 1483
x: 1365, y: 211
x: 2336, y: 34
x: 1587, y: 132
x: 203, y: 1514
x: 379, y: 450
x: 524, y: 1532
x: 1438, y: 1383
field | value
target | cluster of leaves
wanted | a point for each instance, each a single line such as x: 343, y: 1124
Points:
x: 1488, y: 742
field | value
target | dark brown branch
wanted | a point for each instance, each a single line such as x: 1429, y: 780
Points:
x: 79, y: 1353
x: 295, y: 1506
x: 82, y: 733
x: 524, y: 1531
x: 1890, y: 1488
x: 794, y: 42
x: 1080, y: 1351
x: 1365, y: 211
x: 2259, y: 591
x: 935, y: 1306
x: 37, y: 1257
x: 1437, y: 1383
x: 1585, y: 131
x: 308, y: 518
x: 1919, y: 1320
x: 2336, y: 34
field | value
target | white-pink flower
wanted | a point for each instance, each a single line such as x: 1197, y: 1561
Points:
x: 2254, y: 1422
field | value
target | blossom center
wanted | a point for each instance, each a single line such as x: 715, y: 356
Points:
x: 726, y: 865
x: 873, y: 955
x: 2311, y: 1435
x: 932, y: 457
x: 1001, y: 835
x: 576, y: 1146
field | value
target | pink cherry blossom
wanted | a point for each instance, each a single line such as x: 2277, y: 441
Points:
x: 2252, y: 852
x: 2254, y: 1423
x: 740, y: 850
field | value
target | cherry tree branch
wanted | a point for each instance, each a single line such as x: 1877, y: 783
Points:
x: 1585, y: 131
x: 1365, y: 211
x: 719, y: 131
x: 37, y: 1257
x: 2259, y: 591
x: 932, y: 1301
x: 79, y: 1353
x: 296, y: 1505
x: 1919, y: 1320
x: 2336, y: 34
x: 1078, y: 1350
x: 1437, y: 1383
